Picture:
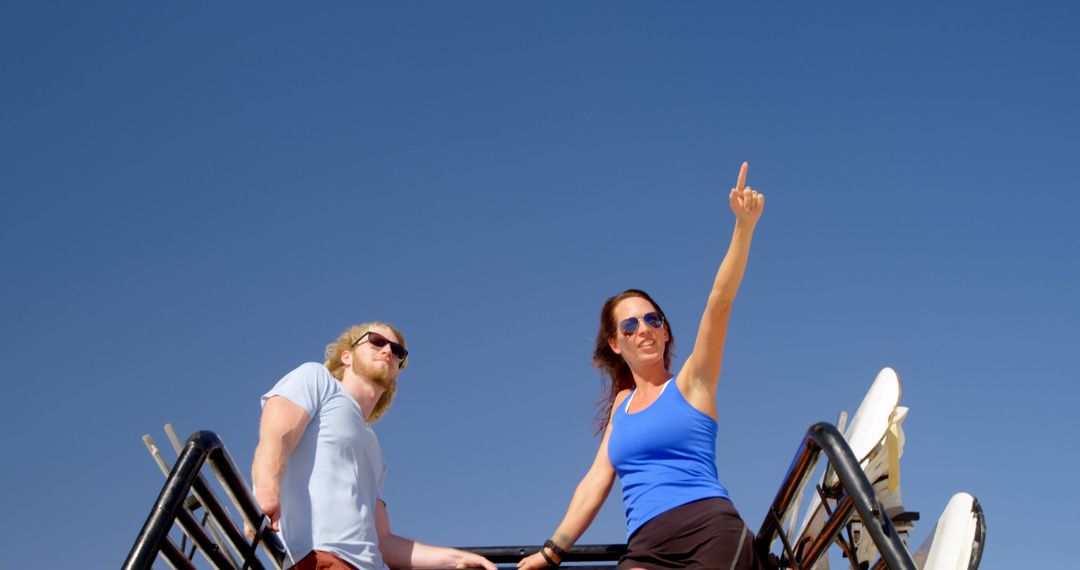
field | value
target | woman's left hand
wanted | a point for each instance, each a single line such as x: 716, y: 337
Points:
x: 746, y: 202
x: 534, y: 562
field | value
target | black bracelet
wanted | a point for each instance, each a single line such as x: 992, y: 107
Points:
x: 551, y: 563
x: 555, y: 548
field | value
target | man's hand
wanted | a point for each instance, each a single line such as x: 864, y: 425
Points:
x: 470, y: 560
x: 746, y: 202
x: 271, y: 507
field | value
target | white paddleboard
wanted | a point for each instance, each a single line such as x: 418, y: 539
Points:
x: 865, y: 435
x: 958, y: 538
x: 867, y: 428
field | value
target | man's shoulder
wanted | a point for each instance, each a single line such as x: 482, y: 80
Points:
x: 312, y: 369
x: 313, y: 373
x: 311, y: 381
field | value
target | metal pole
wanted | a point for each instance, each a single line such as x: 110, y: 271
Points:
x: 157, y: 525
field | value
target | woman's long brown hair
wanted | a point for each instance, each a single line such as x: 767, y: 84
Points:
x: 615, y: 374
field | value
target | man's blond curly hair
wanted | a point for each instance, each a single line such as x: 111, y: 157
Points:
x: 344, y: 342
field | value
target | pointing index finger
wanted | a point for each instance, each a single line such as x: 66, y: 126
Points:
x: 742, y: 177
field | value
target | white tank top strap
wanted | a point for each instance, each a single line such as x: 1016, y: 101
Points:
x: 631, y: 396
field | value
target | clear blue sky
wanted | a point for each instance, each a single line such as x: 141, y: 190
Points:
x: 197, y: 197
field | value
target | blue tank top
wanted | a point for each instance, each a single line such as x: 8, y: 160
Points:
x: 665, y: 456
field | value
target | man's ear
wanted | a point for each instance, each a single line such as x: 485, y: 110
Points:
x: 346, y: 358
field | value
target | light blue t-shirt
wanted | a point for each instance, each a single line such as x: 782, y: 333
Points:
x: 334, y: 475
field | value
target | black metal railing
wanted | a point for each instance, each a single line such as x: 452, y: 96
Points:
x: 855, y: 493
x: 607, y: 554
x: 173, y: 505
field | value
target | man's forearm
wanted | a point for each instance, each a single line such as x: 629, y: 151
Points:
x: 401, y: 552
x: 268, y: 467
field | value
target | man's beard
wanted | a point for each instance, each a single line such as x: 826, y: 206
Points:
x: 381, y: 376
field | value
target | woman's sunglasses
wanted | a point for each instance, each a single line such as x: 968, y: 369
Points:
x: 629, y: 326
x: 378, y: 341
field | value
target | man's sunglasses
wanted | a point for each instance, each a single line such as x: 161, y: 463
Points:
x: 629, y: 326
x: 378, y: 341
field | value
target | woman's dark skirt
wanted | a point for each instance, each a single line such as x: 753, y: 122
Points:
x: 703, y: 534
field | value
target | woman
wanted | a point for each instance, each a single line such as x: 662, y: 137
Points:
x: 659, y: 436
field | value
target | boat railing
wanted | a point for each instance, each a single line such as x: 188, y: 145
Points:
x: 174, y: 505
x: 855, y: 494
x: 228, y: 547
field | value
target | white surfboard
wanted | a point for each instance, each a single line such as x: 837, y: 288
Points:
x: 958, y: 538
x: 868, y: 435
x: 871, y: 421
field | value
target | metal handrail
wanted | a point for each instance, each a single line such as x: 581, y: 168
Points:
x: 202, y: 447
x: 859, y: 493
x: 581, y: 553
x: 205, y: 446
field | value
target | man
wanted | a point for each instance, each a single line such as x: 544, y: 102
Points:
x: 319, y: 470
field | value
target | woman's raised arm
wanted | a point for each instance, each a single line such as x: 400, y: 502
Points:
x: 703, y: 365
